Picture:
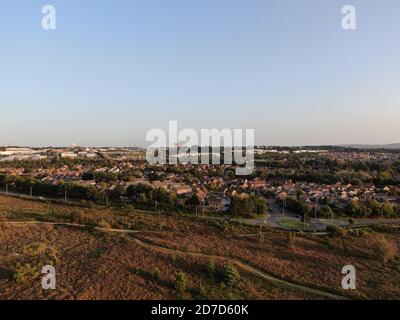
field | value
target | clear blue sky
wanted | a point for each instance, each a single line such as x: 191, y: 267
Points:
x: 115, y: 69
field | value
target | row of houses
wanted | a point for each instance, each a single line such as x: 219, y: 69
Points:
x: 338, y: 193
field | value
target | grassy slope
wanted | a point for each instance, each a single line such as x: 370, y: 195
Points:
x: 96, y: 265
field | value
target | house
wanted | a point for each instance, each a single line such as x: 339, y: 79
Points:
x: 182, y: 189
x: 258, y: 183
x: 69, y: 155
x: 201, y: 195
x: 217, y: 204
x: 160, y: 184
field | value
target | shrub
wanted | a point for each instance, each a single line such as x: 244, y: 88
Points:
x: 76, y: 217
x: 211, y: 267
x: 383, y: 249
x: 352, y: 221
x: 156, y: 274
x: 103, y: 224
x: 291, y: 240
x: 25, y: 272
x: 385, y: 228
x: 261, y: 236
x: 181, y: 282
x: 335, y: 231
x: 35, y: 249
x: 88, y: 221
x: 231, y: 276
x: 203, y: 291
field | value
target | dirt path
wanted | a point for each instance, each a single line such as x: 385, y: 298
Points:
x: 245, y: 267
x: 238, y: 263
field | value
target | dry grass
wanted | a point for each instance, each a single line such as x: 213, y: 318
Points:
x: 94, y: 265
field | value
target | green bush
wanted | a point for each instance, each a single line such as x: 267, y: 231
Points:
x: 25, y: 272
x: 156, y: 274
x: 103, y: 224
x: 181, y: 282
x: 385, y: 228
x: 231, y: 276
x: 211, y: 267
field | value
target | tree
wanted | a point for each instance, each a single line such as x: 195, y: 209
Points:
x: 355, y: 209
x: 117, y: 192
x: 387, y: 209
x: 374, y: 207
x: 260, y: 204
x: 297, y: 207
x: 193, y: 201
x: 246, y: 205
x: 242, y: 205
x: 326, y: 212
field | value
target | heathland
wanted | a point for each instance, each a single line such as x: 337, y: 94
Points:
x: 124, y: 253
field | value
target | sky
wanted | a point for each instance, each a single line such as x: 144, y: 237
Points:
x: 113, y: 70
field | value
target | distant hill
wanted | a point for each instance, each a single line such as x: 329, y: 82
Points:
x: 392, y: 146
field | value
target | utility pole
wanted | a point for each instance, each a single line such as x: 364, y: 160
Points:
x: 316, y: 209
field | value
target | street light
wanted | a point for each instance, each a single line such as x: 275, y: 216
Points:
x: 283, y: 196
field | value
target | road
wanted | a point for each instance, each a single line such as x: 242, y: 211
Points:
x: 38, y: 198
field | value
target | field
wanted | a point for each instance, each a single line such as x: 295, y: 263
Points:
x: 94, y: 261
x: 291, y: 224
